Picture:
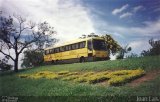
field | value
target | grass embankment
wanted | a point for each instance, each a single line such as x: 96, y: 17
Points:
x: 12, y: 85
x: 146, y: 63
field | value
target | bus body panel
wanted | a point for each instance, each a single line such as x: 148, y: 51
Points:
x: 67, y: 55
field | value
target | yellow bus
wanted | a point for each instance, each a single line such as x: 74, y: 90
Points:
x: 80, y: 50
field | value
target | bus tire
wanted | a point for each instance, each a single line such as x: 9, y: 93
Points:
x: 56, y: 62
x: 107, y: 58
x: 53, y: 61
x: 82, y: 59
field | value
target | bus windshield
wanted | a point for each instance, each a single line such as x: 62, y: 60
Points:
x: 99, y: 45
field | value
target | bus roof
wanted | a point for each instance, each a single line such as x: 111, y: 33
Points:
x: 74, y: 41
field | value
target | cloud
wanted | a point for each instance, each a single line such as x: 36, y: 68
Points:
x: 127, y: 34
x: 119, y: 10
x: 69, y: 17
x: 129, y: 13
x: 157, y: 10
x: 150, y: 29
x: 125, y: 15
x: 138, y: 8
x: 139, y: 45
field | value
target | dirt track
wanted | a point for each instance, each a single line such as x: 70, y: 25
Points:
x: 147, y: 77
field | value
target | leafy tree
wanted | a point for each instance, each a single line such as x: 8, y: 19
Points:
x: 16, y: 33
x: 111, y: 44
x: 123, y: 51
x: 32, y: 58
x: 154, y: 50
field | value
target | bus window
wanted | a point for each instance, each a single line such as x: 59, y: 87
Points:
x: 89, y: 44
x: 66, y: 48
x: 62, y: 49
x: 82, y: 44
x: 50, y: 51
x: 73, y: 46
x: 69, y: 47
x: 77, y: 45
x: 56, y: 50
x: 46, y: 52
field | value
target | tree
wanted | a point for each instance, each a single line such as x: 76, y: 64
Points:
x: 122, y: 52
x: 154, y: 50
x: 32, y: 58
x: 112, y: 45
x: 132, y: 55
x: 17, y: 34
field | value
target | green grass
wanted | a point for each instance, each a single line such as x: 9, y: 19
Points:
x: 12, y: 85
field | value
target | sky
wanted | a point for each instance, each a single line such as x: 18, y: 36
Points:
x: 129, y: 22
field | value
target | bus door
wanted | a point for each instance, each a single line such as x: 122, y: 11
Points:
x: 90, y: 48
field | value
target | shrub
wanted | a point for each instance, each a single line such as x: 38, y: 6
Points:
x: 81, y: 79
x: 92, y: 77
x: 42, y: 74
x: 63, y: 72
x: 23, y: 76
x: 69, y: 78
x: 98, y: 77
x: 114, y: 78
x: 119, y: 80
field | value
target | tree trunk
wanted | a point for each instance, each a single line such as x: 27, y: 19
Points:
x: 16, y: 64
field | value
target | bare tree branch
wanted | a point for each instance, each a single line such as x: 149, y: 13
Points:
x: 7, y: 55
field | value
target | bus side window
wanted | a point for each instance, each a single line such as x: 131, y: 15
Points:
x: 69, y: 47
x: 82, y: 44
x: 66, y: 48
x: 73, y: 46
x: 47, y: 52
x: 77, y: 45
x: 89, y: 44
x: 50, y: 51
x: 56, y: 50
x: 62, y: 49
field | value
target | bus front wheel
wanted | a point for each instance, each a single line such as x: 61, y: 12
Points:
x: 82, y: 59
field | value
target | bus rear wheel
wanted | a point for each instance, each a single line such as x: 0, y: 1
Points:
x: 53, y: 62
x: 82, y: 59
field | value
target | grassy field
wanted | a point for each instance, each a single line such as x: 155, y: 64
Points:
x: 12, y: 85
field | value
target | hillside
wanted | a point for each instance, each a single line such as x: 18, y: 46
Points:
x: 13, y: 85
